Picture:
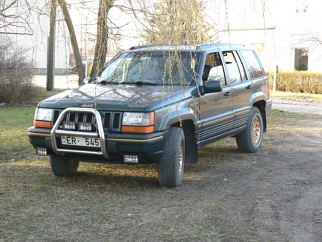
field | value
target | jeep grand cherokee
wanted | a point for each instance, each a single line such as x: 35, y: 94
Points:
x: 156, y: 104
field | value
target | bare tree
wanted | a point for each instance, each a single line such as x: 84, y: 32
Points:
x: 74, y: 43
x: 102, y: 36
x: 15, y: 17
x: 176, y: 22
x: 51, y: 47
x: 15, y: 73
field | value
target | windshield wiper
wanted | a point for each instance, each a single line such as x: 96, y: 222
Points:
x: 106, y: 82
x: 140, y: 83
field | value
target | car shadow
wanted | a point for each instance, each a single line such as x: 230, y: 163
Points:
x: 116, y: 176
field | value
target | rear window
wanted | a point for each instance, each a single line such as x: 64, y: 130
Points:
x: 253, y: 65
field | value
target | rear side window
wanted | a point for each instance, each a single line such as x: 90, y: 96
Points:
x: 253, y: 65
x: 235, y: 69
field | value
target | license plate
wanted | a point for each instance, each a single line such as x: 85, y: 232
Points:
x: 80, y: 141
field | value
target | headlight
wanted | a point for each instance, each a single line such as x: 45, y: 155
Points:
x: 43, y: 118
x: 44, y: 114
x: 138, y: 123
x: 137, y: 119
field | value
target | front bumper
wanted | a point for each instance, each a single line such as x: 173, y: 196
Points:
x: 113, y: 144
x: 147, y: 147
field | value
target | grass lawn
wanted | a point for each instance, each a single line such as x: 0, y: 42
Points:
x: 125, y: 203
x: 14, y: 143
x: 14, y: 122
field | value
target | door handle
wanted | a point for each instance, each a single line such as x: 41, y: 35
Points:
x: 249, y: 87
x: 228, y: 93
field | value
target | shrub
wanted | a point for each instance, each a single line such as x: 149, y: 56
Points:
x: 15, y: 74
x: 297, y: 81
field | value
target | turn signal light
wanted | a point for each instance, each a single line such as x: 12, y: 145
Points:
x: 138, y: 129
x: 43, y: 124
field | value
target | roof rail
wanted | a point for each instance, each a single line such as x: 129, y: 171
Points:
x: 186, y: 46
x: 139, y: 47
x: 173, y: 46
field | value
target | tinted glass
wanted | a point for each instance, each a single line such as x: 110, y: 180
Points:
x: 254, y: 68
x: 156, y: 67
x: 232, y: 67
x: 240, y: 67
x: 215, y: 68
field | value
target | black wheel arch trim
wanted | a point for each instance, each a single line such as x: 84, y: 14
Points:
x: 178, y: 116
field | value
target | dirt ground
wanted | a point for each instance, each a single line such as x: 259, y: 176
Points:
x: 292, y: 207
x: 273, y: 195
x: 299, y: 107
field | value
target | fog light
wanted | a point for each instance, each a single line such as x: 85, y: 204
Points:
x: 84, y: 126
x: 133, y: 159
x: 69, y: 125
x: 41, y: 151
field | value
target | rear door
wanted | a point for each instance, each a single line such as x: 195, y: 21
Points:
x: 255, y: 70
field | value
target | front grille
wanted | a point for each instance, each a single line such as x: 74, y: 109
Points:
x: 111, y: 120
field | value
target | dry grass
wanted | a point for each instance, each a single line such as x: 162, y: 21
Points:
x: 14, y: 143
x: 125, y: 203
x: 297, y: 96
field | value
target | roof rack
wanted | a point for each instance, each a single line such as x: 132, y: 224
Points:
x: 139, y: 47
x: 170, y: 46
x: 186, y: 46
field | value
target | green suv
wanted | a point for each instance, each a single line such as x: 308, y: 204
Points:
x: 156, y: 104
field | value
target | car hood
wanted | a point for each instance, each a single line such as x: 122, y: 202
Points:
x: 115, y: 97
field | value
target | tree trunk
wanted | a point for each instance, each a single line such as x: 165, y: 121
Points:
x: 77, y: 55
x: 51, y: 48
x: 101, y: 37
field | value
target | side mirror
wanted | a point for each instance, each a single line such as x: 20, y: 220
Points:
x: 196, y: 92
x: 88, y: 80
x: 212, y: 86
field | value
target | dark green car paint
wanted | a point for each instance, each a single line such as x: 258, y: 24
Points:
x: 206, y: 110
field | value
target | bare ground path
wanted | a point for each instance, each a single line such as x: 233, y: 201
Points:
x: 298, y: 106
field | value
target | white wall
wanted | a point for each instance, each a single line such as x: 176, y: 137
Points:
x: 36, y: 44
x: 284, y: 30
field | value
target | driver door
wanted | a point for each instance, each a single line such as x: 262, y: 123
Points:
x: 216, y: 111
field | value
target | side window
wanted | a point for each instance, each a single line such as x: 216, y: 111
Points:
x: 241, y: 68
x: 213, y: 69
x: 235, y: 68
x: 254, y: 67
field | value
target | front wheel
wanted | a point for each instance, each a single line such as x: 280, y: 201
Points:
x: 61, y: 166
x: 251, y: 139
x: 171, y: 164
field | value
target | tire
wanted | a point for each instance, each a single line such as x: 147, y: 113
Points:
x: 251, y: 139
x: 61, y: 166
x: 171, y: 164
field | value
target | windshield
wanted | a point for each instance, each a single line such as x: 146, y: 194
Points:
x: 151, y: 67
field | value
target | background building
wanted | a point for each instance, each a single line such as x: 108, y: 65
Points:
x: 285, y: 33
x: 36, y: 45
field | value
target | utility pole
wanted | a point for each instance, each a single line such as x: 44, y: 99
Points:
x: 51, y: 47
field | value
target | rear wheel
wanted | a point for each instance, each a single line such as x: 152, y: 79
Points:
x: 251, y: 139
x: 61, y: 166
x: 171, y: 164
